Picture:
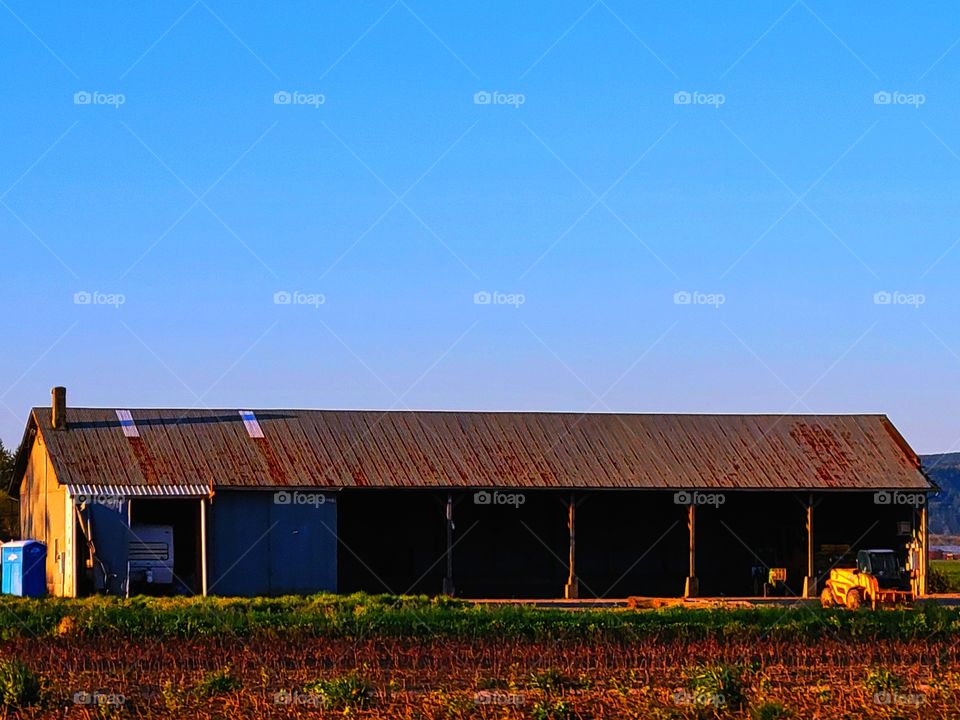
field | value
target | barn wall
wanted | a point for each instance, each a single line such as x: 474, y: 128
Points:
x: 266, y: 543
x: 46, y: 515
x: 628, y: 542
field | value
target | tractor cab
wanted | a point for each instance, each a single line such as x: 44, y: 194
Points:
x: 884, y: 565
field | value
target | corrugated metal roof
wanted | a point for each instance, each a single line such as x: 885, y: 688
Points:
x: 344, y: 449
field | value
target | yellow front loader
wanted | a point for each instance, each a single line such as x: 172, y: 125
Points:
x: 877, y: 579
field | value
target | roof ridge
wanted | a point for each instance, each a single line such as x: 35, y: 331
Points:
x: 407, y: 411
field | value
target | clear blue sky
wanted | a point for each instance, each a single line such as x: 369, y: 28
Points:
x: 783, y: 189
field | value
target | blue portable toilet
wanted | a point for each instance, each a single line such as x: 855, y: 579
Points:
x: 24, y: 568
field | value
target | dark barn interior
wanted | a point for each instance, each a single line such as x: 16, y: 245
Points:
x: 395, y: 541
x: 630, y: 543
x: 855, y: 519
x: 511, y: 550
x: 391, y: 541
x: 627, y: 542
x: 751, y: 530
x: 183, y: 516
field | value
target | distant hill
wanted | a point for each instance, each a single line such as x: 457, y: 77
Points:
x: 944, y: 470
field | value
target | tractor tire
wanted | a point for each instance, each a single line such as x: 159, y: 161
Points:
x: 854, y: 599
x: 826, y: 598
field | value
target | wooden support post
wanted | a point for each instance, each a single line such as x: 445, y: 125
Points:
x: 924, y: 548
x: 810, y: 581
x: 692, y: 588
x: 126, y: 579
x: 448, y: 576
x: 203, y: 546
x: 572, y: 589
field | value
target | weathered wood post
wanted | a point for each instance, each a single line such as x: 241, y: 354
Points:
x: 448, y: 576
x: 203, y: 546
x: 924, y: 547
x: 810, y: 581
x: 692, y: 588
x: 571, y: 590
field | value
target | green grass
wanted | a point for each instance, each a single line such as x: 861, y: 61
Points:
x: 547, y: 709
x: 218, y: 682
x: 342, y: 693
x: 390, y: 616
x: 717, y: 686
x: 880, y: 679
x: 769, y: 711
x: 19, y: 685
x: 951, y: 572
x: 551, y: 681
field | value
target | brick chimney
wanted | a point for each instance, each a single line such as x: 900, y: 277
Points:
x: 58, y: 405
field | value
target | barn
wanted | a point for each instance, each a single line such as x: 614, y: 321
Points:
x: 476, y: 504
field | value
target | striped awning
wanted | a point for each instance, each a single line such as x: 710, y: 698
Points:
x: 139, y: 490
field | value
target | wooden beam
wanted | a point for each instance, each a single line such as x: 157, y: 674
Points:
x: 692, y: 588
x: 924, y: 547
x: 126, y: 580
x: 810, y: 581
x: 448, y: 576
x: 203, y: 546
x: 572, y: 589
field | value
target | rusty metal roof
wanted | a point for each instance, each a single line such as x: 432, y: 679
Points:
x: 347, y: 449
